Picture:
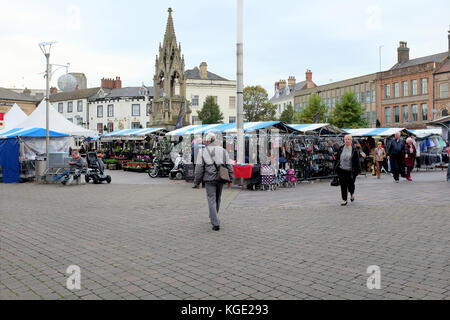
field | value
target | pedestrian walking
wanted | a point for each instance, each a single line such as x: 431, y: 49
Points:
x: 209, y: 161
x: 347, y: 167
x: 410, y: 157
x: 395, y: 152
x: 380, y: 155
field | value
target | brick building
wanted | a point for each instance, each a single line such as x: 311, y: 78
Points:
x: 405, y: 94
x: 441, y: 86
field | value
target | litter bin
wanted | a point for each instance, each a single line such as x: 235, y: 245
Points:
x: 189, y: 173
x: 40, y: 165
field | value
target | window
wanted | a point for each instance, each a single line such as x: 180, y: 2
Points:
x: 396, y: 114
x: 358, y: 97
x: 215, y: 99
x: 374, y: 117
x: 135, y: 125
x: 404, y: 88
x: 147, y: 110
x: 396, y: 90
x: 110, y: 127
x: 195, y: 120
x: 70, y: 119
x: 80, y: 106
x: 69, y: 107
x: 148, y: 124
x: 424, y: 109
x: 414, y: 113
x: 424, y: 86
x: 99, y: 112
x: 374, y: 96
x: 387, y: 113
x: 110, y: 110
x: 444, y: 112
x: 79, y: 121
x: 232, y: 102
x: 100, y: 128
x: 368, y: 117
x: 443, y: 91
x: 387, y: 91
x: 194, y: 101
x: 333, y: 102
x: 232, y: 120
x: 363, y: 97
x: 368, y: 97
x: 414, y: 87
x: 135, y: 110
x: 405, y: 114
x: 60, y: 107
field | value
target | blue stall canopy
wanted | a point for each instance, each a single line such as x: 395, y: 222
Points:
x: 377, y: 132
x: 320, y: 128
x: 424, y: 133
x: 231, y: 128
x: 31, y: 133
x: 132, y: 134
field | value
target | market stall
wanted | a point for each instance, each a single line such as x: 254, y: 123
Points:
x: 431, y: 154
x: 131, y: 149
x: 19, y: 149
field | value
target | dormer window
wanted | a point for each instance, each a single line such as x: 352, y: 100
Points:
x: 101, y: 93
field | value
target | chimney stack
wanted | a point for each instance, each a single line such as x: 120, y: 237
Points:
x: 277, y: 86
x: 291, y: 81
x: 403, y: 52
x: 282, y: 84
x: 203, y: 70
x: 111, y: 83
x: 308, y: 76
x: 449, y: 42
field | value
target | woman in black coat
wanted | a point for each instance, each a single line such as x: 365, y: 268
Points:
x: 347, y: 167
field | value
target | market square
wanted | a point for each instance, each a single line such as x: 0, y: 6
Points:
x: 140, y: 238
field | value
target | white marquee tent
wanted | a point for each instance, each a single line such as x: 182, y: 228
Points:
x: 57, y: 122
x: 14, y: 117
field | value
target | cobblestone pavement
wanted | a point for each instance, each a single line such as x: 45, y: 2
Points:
x: 139, y: 238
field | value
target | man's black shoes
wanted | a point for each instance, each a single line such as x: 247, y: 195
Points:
x: 216, y: 228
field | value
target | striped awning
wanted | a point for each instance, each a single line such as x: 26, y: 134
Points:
x: 318, y: 128
x: 133, y: 132
x: 378, y: 132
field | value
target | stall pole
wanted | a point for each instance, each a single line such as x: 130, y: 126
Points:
x: 240, y: 84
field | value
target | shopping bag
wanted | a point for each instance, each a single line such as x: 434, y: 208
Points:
x: 389, y: 165
x: 335, y: 182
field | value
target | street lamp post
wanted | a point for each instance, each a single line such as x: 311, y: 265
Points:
x: 240, y: 84
x: 45, y: 48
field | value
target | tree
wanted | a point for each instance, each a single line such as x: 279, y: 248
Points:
x: 288, y: 115
x: 210, y: 112
x: 257, y: 106
x: 348, y: 112
x: 315, y: 107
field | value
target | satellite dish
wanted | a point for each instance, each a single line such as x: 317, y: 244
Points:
x: 67, y: 83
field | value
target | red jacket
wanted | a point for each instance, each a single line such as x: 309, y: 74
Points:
x: 411, y: 159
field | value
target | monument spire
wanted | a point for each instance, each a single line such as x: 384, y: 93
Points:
x: 170, y: 30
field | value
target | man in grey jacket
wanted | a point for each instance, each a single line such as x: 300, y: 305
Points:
x: 208, y: 161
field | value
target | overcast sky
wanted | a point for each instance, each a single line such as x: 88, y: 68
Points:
x: 335, y: 39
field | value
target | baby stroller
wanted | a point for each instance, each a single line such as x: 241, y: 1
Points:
x: 95, y: 171
x: 269, y: 180
x: 291, y: 178
x: 282, y: 181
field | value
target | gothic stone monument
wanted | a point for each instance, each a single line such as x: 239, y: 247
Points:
x: 169, y: 106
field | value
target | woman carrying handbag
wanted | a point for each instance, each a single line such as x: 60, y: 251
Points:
x: 348, y: 167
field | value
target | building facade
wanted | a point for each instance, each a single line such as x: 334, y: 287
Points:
x: 120, y: 108
x: 363, y: 87
x: 201, y: 83
x: 284, y: 94
x: 441, y: 86
x: 25, y: 101
x: 405, y: 93
x: 74, y: 105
